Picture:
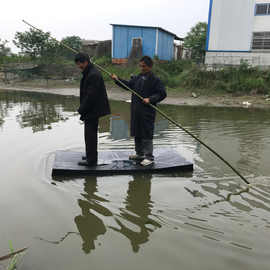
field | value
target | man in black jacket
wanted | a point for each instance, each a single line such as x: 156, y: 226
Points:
x: 143, y: 116
x: 93, y: 105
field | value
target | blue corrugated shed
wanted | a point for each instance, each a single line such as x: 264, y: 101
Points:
x: 155, y: 41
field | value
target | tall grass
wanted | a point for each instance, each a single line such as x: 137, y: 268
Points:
x: 180, y: 74
x: 169, y: 72
x: 183, y: 74
x: 241, y: 79
x: 14, y: 257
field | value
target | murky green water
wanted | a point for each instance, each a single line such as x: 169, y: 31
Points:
x: 176, y: 221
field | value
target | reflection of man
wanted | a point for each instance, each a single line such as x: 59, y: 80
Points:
x: 93, y: 105
x: 138, y: 209
x: 89, y: 225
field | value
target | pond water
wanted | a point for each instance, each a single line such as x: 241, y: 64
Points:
x: 173, y: 221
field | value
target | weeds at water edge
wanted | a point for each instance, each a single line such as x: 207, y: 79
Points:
x: 14, y: 257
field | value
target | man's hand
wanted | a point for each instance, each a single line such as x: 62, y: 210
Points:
x: 114, y: 77
x: 146, y: 100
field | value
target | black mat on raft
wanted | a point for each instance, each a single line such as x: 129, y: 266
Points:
x: 116, y: 162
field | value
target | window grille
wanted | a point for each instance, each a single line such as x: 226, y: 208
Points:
x: 261, y: 41
x: 262, y: 9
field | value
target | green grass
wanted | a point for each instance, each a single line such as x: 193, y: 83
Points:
x: 15, y: 259
x: 242, y: 79
x: 181, y: 75
x: 169, y: 72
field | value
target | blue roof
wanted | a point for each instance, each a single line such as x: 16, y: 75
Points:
x: 153, y: 27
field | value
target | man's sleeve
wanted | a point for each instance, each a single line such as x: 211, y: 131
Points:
x: 129, y: 83
x: 93, y: 86
x: 160, y: 93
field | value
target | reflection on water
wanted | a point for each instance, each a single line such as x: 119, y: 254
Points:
x: 137, y: 212
x: 167, y: 220
x: 89, y: 225
x: 36, y: 110
x: 118, y: 128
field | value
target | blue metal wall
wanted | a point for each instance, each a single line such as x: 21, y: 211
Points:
x: 123, y: 36
x: 165, y: 46
x: 149, y: 41
x: 122, y: 42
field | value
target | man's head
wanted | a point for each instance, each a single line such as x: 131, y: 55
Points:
x: 82, y: 60
x: 146, y: 64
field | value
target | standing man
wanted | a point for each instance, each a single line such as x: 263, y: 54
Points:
x: 93, y: 105
x: 143, y: 116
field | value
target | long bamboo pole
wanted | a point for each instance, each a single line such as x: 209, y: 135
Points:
x: 154, y: 107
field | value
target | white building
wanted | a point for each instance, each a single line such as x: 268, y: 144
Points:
x: 238, y: 30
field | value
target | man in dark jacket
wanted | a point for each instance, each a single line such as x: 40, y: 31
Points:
x: 143, y: 116
x: 93, y: 105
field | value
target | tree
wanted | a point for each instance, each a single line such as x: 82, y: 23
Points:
x: 4, y: 50
x: 196, y: 41
x: 52, y: 58
x: 74, y: 42
x: 35, y: 44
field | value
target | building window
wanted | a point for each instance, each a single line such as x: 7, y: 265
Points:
x: 262, y: 9
x: 261, y: 41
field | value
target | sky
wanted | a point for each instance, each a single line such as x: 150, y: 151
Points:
x: 92, y: 19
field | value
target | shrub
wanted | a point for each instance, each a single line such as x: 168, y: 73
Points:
x: 174, y: 67
x: 243, y: 79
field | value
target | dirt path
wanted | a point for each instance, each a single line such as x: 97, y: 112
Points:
x: 174, y: 98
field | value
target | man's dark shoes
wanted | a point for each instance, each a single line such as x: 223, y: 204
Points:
x: 83, y: 157
x: 87, y: 164
x: 136, y: 157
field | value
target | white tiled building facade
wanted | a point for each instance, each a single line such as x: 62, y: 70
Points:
x: 238, y: 30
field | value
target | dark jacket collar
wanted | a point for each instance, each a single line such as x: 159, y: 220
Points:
x: 87, y: 69
x: 147, y: 75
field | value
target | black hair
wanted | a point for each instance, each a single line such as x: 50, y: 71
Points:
x: 81, y: 58
x: 148, y: 61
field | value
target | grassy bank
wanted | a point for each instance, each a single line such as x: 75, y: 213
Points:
x: 182, y: 75
x: 169, y: 72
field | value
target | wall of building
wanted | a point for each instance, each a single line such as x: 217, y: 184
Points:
x: 230, y: 25
x: 120, y: 40
x: 178, y: 52
x: 235, y: 58
x: 165, y: 46
x: 261, y: 23
x: 154, y: 42
x: 230, y: 34
x: 123, y: 36
x: 99, y: 49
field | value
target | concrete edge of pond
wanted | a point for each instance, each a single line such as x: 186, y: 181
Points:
x: 117, y: 94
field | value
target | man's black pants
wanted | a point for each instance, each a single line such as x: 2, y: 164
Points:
x: 144, y: 148
x: 91, y: 139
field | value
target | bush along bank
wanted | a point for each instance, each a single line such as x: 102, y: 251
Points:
x: 183, y: 74
x: 169, y: 72
x: 242, y: 79
x: 178, y: 75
